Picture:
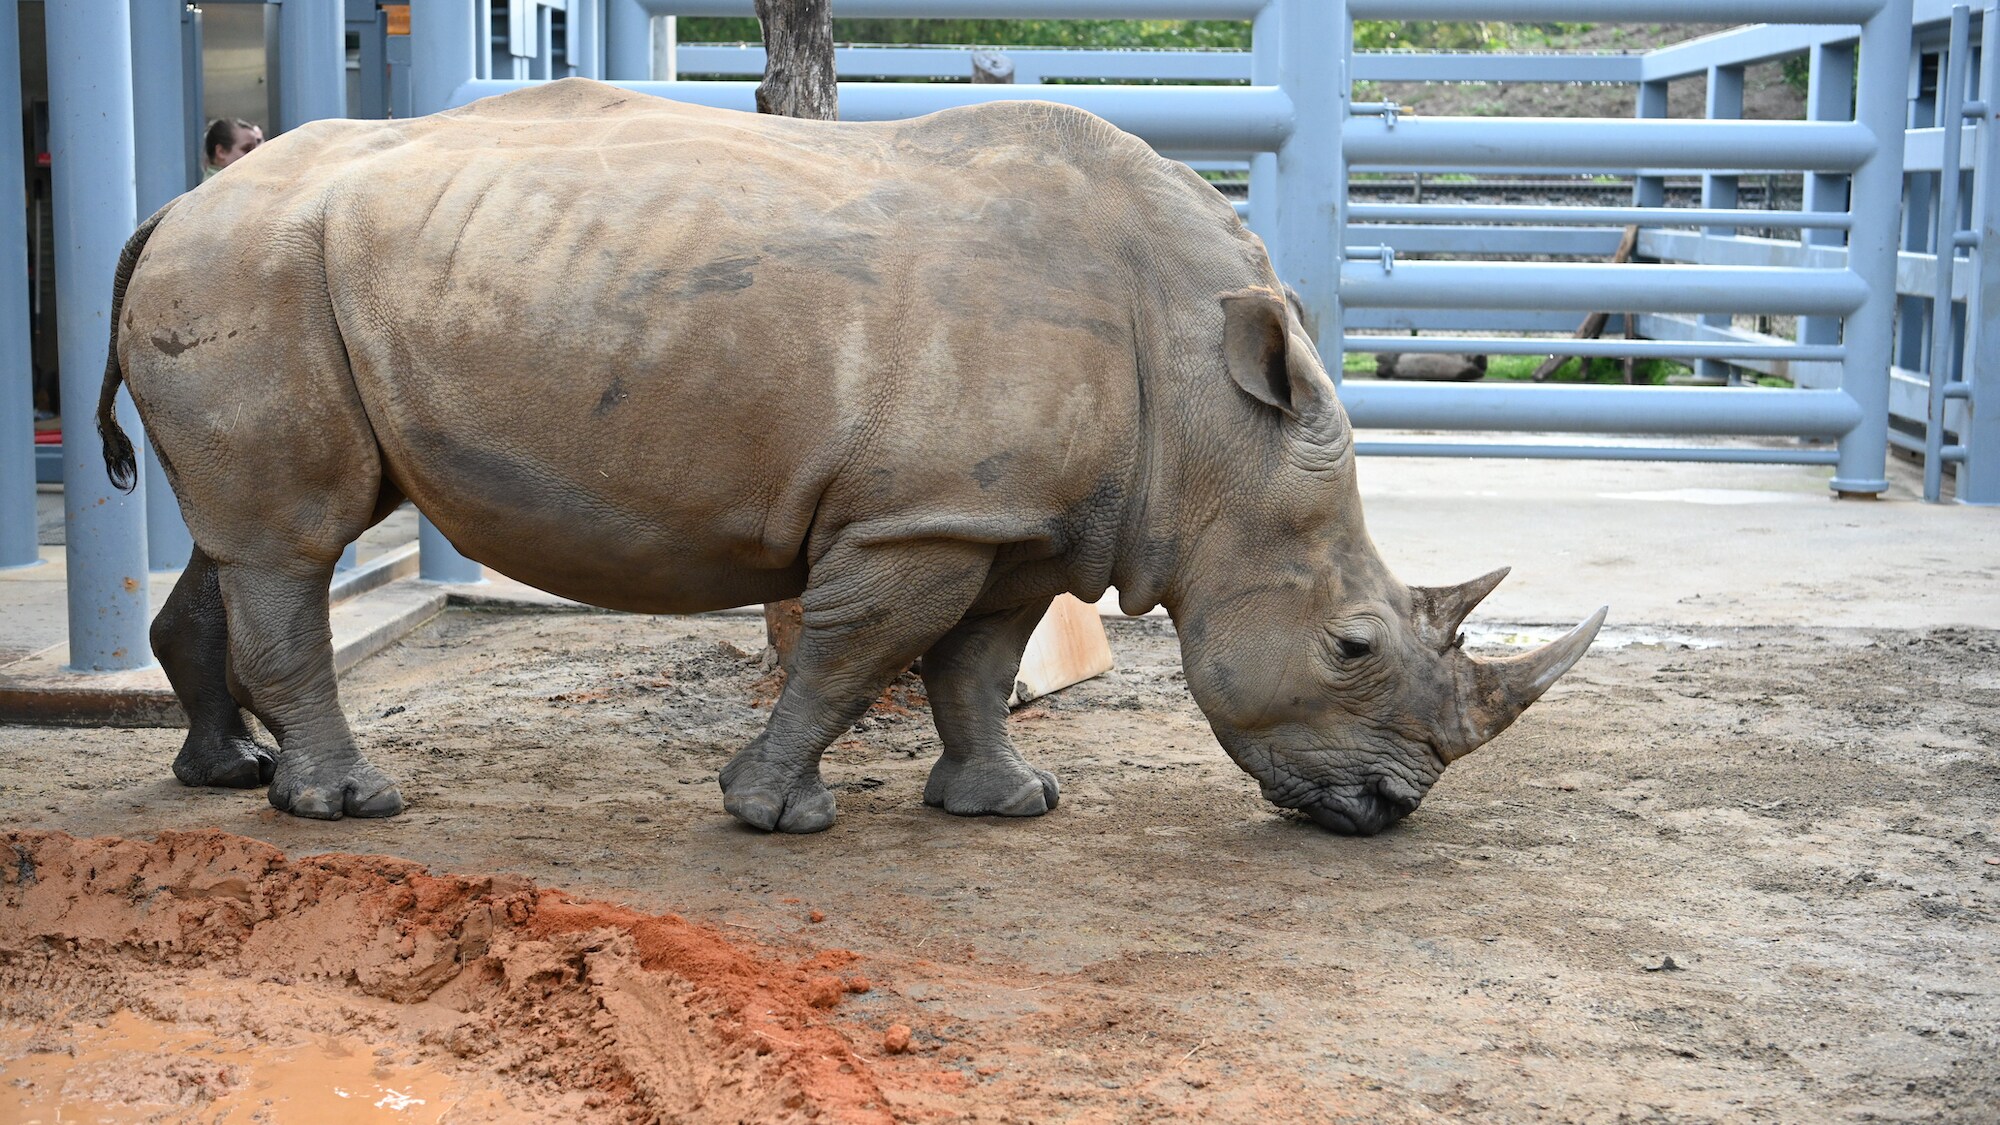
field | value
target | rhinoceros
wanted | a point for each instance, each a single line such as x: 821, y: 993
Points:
x: 924, y: 375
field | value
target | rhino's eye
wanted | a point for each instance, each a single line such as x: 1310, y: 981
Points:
x: 1352, y: 649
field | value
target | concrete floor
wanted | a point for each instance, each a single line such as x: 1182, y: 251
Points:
x: 1686, y: 545
x: 1664, y: 545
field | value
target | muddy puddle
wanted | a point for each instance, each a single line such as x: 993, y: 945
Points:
x: 131, y: 1069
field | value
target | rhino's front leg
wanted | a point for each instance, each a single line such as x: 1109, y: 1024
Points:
x: 869, y: 610
x: 968, y: 675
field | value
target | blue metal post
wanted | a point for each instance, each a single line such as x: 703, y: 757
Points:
x: 1979, y: 473
x: 628, y: 41
x: 1919, y: 196
x: 1943, y: 367
x: 1264, y: 41
x: 1871, y: 249
x: 17, y: 409
x: 160, y: 155
x: 312, y: 61
x: 585, y: 50
x: 371, y: 32
x: 446, y: 39
x: 90, y: 117
x: 1725, y: 102
x: 1829, y: 97
x: 1315, y: 52
x: 1650, y: 191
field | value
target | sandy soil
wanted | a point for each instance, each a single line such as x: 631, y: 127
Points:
x: 1752, y: 875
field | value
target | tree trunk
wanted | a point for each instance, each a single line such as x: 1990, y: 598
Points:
x: 798, y: 82
x: 798, y: 59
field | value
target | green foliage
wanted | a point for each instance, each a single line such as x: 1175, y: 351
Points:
x: 1429, y: 35
x: 1798, y: 73
x: 1151, y: 34
x: 1155, y: 34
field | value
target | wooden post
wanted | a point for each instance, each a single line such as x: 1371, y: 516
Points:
x: 798, y: 82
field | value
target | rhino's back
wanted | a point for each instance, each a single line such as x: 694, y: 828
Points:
x: 678, y: 338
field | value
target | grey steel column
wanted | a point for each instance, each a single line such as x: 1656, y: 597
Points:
x: 446, y: 38
x: 312, y: 61
x: 17, y: 409
x: 191, y: 91
x: 1829, y: 97
x: 1878, y: 191
x: 160, y: 148
x: 90, y: 117
x: 585, y: 49
x: 1265, y: 32
x: 1979, y: 473
x: 1919, y: 200
x: 445, y: 41
x: 1725, y: 102
x: 1943, y: 370
x: 1650, y: 191
x: 373, y: 101
x: 1315, y: 55
x: 628, y: 41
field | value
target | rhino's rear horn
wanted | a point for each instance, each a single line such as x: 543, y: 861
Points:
x: 1502, y: 689
x: 1440, y: 610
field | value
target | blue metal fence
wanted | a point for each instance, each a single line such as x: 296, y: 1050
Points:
x: 1892, y: 271
x: 1923, y: 412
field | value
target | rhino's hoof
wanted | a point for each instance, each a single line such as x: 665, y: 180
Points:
x: 357, y: 790
x: 225, y: 763
x: 983, y: 788
x: 805, y: 808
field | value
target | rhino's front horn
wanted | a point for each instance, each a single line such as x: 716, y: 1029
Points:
x: 1440, y: 610
x: 1502, y: 689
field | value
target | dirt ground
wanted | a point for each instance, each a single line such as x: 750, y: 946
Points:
x: 1744, y: 875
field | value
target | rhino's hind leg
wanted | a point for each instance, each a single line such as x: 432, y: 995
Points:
x: 281, y: 651
x: 191, y: 638
x: 968, y: 675
x: 869, y: 612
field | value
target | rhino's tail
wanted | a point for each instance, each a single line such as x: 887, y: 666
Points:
x: 120, y: 461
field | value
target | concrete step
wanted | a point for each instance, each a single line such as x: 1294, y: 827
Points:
x: 374, y: 611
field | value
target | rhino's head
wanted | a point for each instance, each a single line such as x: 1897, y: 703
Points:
x: 1344, y: 692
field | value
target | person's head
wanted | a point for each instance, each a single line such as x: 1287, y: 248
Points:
x: 230, y: 140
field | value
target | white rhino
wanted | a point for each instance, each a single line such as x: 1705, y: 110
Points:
x: 924, y: 374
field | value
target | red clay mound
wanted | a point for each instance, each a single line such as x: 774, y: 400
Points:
x: 523, y: 1000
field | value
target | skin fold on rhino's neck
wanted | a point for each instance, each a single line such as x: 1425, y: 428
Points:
x: 1185, y: 249
x: 1192, y: 462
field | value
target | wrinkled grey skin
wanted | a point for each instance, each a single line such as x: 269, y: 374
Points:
x: 924, y: 375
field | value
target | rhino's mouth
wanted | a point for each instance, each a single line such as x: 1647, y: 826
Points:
x: 1362, y: 813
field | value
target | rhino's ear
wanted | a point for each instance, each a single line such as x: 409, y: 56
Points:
x: 1268, y: 356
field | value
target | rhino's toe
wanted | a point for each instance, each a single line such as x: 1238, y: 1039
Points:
x: 991, y: 788
x: 227, y: 763
x: 803, y: 809
x: 359, y: 790
x: 387, y: 801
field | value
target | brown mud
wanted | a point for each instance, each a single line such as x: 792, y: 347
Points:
x: 1733, y: 875
x: 167, y: 975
